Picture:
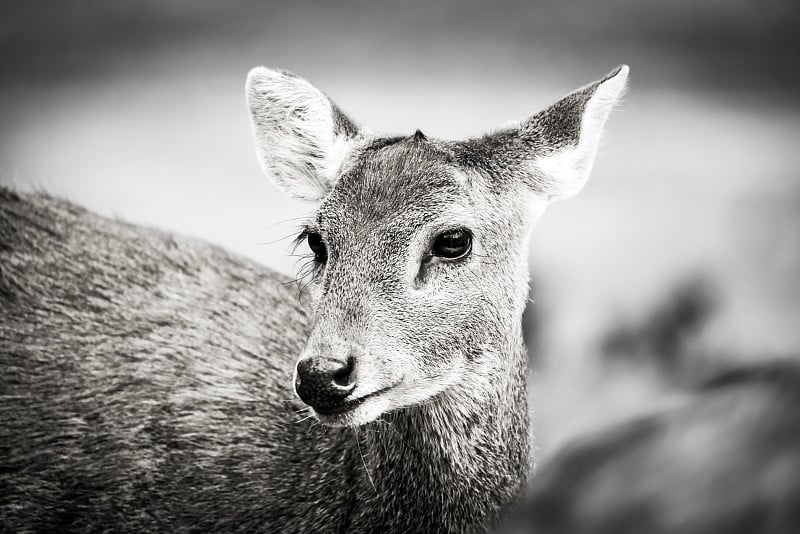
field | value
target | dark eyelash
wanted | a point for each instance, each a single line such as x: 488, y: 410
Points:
x: 310, y: 266
x: 301, y: 237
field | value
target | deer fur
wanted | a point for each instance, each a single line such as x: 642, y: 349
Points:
x: 147, y: 378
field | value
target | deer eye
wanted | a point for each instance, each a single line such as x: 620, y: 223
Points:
x: 317, y: 246
x: 453, y: 244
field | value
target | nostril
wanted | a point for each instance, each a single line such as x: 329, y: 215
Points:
x: 344, y: 376
x: 325, y: 382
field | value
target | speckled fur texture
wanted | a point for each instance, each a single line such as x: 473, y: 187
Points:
x: 147, y: 379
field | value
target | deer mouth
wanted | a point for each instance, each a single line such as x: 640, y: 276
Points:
x: 336, y: 413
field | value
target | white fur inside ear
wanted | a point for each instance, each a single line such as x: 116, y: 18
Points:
x: 295, y: 133
x: 569, y: 168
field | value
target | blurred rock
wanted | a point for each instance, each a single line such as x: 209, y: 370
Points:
x: 725, y: 460
x: 664, y: 336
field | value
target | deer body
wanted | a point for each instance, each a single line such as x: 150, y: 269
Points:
x: 163, y: 400
x: 148, y: 380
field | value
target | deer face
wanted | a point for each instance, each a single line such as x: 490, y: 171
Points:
x: 419, y: 246
x: 416, y: 266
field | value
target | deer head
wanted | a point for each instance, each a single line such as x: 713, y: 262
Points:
x: 419, y: 245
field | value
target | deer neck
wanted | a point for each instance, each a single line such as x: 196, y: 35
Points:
x: 449, y: 464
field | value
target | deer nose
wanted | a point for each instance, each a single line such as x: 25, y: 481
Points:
x: 323, y: 383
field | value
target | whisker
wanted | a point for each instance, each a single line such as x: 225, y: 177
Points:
x: 287, y: 236
x: 358, y: 445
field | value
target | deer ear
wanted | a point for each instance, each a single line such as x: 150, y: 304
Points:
x: 554, y: 150
x: 301, y: 137
x: 571, y: 130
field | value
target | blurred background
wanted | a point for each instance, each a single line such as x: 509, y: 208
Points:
x: 681, y: 255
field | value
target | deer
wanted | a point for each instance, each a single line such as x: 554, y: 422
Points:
x: 153, y: 382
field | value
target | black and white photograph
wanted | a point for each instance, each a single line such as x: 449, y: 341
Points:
x: 400, y: 267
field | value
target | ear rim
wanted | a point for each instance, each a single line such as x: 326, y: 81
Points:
x: 567, y: 168
x: 302, y: 156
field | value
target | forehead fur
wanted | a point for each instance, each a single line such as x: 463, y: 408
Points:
x: 393, y: 175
